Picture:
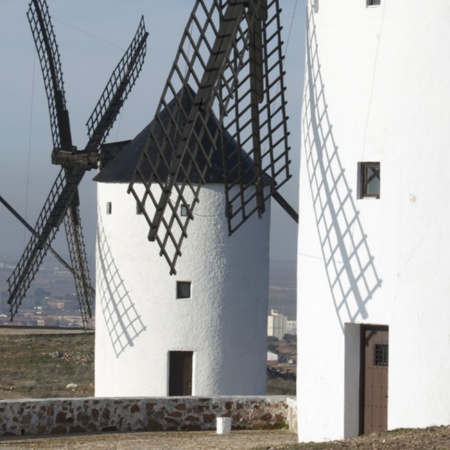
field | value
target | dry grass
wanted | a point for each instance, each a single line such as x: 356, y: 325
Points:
x: 39, y: 364
x: 278, y: 386
x: 42, y: 365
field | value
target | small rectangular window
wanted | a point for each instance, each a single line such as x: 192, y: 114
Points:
x: 369, y: 174
x: 183, y: 289
x: 108, y: 208
x: 138, y: 208
x: 373, y: 2
x: 184, y: 210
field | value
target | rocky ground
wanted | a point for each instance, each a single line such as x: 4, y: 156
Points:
x: 240, y: 440
x: 434, y: 438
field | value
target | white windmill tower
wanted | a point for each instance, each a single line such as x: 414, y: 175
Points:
x: 211, y: 158
x: 373, y: 300
x: 201, y: 331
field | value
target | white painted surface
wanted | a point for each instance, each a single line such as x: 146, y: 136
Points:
x: 223, y: 425
x: 139, y: 320
x: 376, y: 90
x: 276, y: 324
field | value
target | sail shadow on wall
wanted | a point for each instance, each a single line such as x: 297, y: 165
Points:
x: 122, y: 320
x: 349, y: 264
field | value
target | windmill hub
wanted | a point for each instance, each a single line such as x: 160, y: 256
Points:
x: 74, y: 158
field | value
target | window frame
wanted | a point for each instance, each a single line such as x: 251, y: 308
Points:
x: 179, y: 286
x: 363, y: 176
x: 184, y: 210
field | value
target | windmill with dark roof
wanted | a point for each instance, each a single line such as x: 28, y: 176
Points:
x: 188, y: 315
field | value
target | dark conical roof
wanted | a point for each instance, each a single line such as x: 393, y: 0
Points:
x: 121, y: 167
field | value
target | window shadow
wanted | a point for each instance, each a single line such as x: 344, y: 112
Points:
x: 349, y: 264
x: 122, y: 320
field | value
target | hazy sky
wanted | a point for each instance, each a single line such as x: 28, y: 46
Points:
x: 92, y: 36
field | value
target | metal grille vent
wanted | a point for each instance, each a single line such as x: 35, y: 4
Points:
x: 381, y: 355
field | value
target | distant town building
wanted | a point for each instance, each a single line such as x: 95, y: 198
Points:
x: 291, y: 327
x: 276, y: 324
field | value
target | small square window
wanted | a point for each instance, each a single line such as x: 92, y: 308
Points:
x: 184, y: 210
x: 183, y: 289
x: 108, y: 208
x: 369, y: 174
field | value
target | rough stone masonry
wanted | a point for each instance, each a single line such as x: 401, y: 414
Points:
x: 87, y: 415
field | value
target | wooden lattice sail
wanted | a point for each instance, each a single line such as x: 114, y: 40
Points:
x: 229, y: 67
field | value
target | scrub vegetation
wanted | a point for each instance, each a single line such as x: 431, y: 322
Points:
x: 46, y: 365
x: 282, y: 374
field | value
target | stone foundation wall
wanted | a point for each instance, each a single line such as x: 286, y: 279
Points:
x: 61, y: 416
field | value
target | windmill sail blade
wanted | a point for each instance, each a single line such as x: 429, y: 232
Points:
x: 47, y: 48
x: 185, y: 145
x: 30, y: 228
x: 116, y: 91
x: 285, y: 205
x: 85, y: 293
x: 229, y: 65
x: 256, y: 118
x: 64, y: 190
x: 83, y: 285
x: 47, y: 225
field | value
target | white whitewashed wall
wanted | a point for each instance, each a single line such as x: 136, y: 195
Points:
x: 139, y: 319
x: 376, y: 89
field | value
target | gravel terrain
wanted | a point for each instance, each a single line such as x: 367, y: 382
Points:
x: 433, y: 438
x: 209, y: 440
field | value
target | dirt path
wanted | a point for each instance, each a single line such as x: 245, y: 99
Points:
x: 209, y: 440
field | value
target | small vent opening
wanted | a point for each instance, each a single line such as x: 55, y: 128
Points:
x: 381, y: 355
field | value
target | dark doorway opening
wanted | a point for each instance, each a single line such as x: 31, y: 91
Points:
x: 374, y: 378
x: 180, y: 373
